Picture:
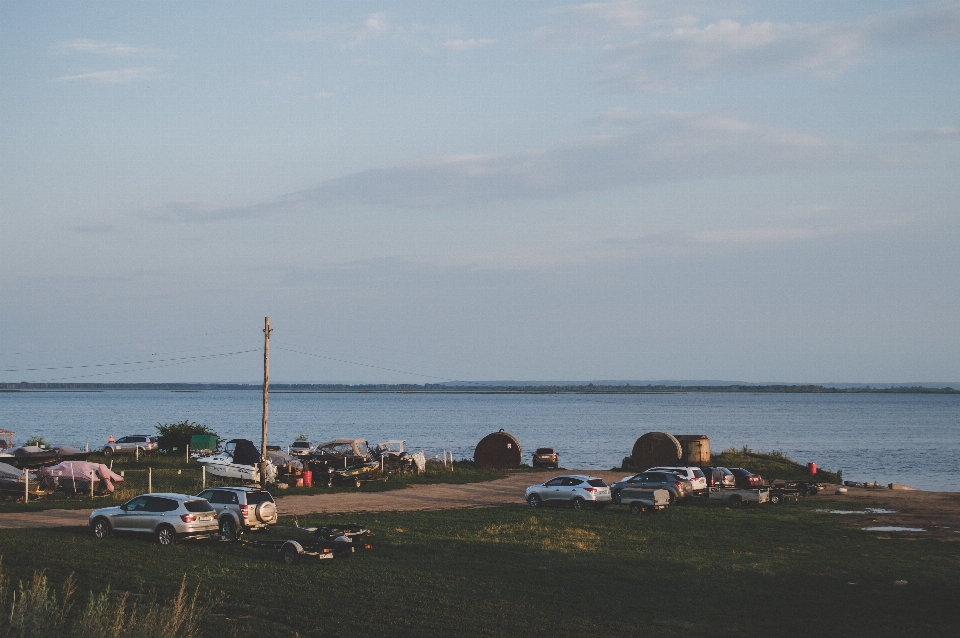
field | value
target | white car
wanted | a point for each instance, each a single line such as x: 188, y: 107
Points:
x: 693, y: 474
x: 301, y: 448
x: 578, y: 490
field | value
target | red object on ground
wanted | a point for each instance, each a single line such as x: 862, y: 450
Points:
x: 812, y: 468
x: 307, y: 478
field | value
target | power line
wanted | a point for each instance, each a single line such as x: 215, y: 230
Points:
x: 65, y: 365
x: 120, y: 345
x: 176, y: 362
x: 126, y: 363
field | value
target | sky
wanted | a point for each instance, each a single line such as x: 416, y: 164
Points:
x: 417, y: 192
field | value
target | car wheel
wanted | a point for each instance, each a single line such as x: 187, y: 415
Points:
x: 330, y: 482
x: 578, y: 503
x: 108, y: 451
x: 101, y: 528
x: 356, y: 482
x: 636, y: 508
x: 673, y: 498
x: 736, y: 501
x: 534, y: 500
x: 290, y: 554
x: 166, y: 535
x: 228, y: 528
x: 776, y: 498
x: 615, y: 497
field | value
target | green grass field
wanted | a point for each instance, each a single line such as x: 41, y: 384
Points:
x: 692, y: 570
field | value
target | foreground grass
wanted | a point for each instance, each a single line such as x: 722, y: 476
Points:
x: 766, y: 571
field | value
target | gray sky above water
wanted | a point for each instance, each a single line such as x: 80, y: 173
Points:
x: 424, y: 191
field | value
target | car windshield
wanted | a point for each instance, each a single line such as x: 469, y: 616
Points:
x: 699, y: 474
x: 544, y: 450
x: 597, y: 483
x: 255, y: 498
x: 198, y: 506
x: 301, y: 444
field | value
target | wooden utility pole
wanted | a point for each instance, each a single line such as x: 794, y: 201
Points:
x: 266, y: 398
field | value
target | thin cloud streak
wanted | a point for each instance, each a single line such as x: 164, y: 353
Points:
x: 667, y: 147
x: 84, y: 45
x: 112, y: 76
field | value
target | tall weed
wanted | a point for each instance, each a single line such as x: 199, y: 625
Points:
x: 36, y: 610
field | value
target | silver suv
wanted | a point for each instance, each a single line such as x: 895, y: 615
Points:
x: 241, y: 508
x: 168, y: 517
x: 129, y: 444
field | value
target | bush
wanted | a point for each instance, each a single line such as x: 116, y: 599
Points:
x: 38, y: 441
x: 178, y: 435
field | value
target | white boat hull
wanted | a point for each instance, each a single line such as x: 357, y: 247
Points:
x: 222, y: 465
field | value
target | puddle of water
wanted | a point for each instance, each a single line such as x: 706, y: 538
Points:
x: 868, y: 510
x: 893, y: 528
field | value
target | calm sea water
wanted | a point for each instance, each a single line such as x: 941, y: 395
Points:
x: 911, y: 439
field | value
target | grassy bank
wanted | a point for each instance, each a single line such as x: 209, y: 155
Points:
x: 175, y: 474
x: 771, y: 465
x: 695, y: 569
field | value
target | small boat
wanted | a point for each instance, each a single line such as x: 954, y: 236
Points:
x: 239, y: 459
x: 32, y: 457
x: 70, y: 453
x: 76, y: 476
x: 13, y: 482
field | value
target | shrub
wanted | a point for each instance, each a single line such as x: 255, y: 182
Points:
x: 38, y: 441
x: 178, y: 435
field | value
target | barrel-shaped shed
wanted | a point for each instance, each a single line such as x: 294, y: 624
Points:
x: 497, y: 451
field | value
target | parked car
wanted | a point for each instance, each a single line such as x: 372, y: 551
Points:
x: 718, y: 476
x: 546, y: 457
x: 651, y: 481
x: 168, y: 517
x: 301, y: 448
x: 240, y: 509
x: 578, y: 490
x: 746, y: 479
x: 129, y: 444
x: 693, y: 474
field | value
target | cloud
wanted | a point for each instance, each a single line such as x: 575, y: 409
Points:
x: 661, y: 147
x: 113, y: 76
x: 279, y: 83
x: 97, y: 47
x: 370, y: 28
x: 313, y: 97
x: 648, y: 45
x: 466, y: 45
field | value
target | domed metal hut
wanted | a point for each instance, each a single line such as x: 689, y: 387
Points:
x: 497, y: 451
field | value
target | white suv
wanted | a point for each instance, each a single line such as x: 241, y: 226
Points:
x: 693, y: 474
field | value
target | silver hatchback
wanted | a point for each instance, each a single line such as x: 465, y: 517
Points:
x: 167, y: 517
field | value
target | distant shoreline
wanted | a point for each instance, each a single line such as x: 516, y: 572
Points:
x: 478, y: 388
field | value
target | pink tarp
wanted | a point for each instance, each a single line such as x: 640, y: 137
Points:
x: 71, y: 472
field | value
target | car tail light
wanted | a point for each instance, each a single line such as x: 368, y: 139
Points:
x: 188, y: 518
x: 243, y: 510
x: 368, y: 546
x: 326, y: 550
x: 590, y: 489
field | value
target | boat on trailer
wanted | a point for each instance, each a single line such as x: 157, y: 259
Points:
x: 239, y: 459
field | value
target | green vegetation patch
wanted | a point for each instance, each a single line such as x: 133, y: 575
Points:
x: 771, y: 465
x: 762, y: 571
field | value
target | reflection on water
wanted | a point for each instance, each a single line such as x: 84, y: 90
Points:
x: 871, y: 437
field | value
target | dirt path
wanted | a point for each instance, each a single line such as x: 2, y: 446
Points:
x: 936, y: 512
x: 508, y: 491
